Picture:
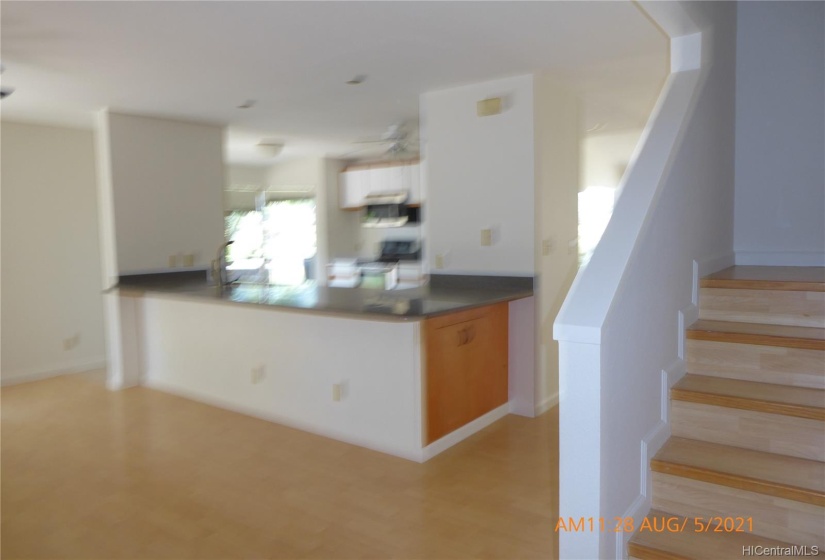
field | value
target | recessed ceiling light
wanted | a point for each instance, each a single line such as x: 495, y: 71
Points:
x: 357, y: 79
x: 248, y: 104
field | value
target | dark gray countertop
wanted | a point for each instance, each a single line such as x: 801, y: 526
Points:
x: 444, y: 294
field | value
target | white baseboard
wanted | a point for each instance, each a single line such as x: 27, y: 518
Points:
x: 780, y: 258
x: 547, y: 403
x: 464, y: 432
x: 14, y: 378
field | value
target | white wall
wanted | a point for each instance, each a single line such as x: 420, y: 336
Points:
x: 50, y: 261
x: 167, y: 181
x: 239, y: 176
x: 605, y: 157
x: 480, y: 175
x: 343, y: 228
x: 297, y: 174
x: 619, y: 327
x: 242, y: 182
x: 557, y: 129
x: 780, y: 135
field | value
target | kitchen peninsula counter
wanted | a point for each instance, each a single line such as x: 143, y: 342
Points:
x: 445, y: 294
x: 406, y: 372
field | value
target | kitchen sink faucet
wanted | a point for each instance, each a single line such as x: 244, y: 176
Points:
x: 219, y: 266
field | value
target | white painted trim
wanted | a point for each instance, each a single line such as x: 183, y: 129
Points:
x: 97, y: 362
x: 637, y: 510
x: 687, y: 317
x: 686, y: 52
x: 331, y: 433
x: 547, y: 403
x: 650, y: 445
x: 464, y: 432
x: 783, y: 258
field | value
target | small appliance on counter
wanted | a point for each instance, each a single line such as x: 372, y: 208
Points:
x: 398, y: 266
x: 343, y: 273
x: 380, y: 276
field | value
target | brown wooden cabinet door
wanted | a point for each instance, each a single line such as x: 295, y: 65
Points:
x: 487, y: 380
x: 466, y: 367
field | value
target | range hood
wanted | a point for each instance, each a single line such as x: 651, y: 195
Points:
x: 385, y: 198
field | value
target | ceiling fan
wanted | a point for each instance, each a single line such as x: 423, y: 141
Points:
x: 401, y: 140
x: 5, y: 91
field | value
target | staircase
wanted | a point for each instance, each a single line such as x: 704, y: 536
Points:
x: 747, y: 423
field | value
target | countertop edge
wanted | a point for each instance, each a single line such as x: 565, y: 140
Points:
x: 366, y: 315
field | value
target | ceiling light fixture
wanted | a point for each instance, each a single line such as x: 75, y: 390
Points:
x: 357, y: 80
x: 270, y: 148
x: 5, y: 91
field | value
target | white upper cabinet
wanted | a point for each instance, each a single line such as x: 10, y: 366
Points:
x: 414, y: 172
x: 380, y: 180
x: 354, y: 187
x: 357, y: 183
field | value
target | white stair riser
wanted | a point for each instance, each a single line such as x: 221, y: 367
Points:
x: 750, y: 362
x: 773, y: 307
x: 760, y: 431
x: 778, y: 518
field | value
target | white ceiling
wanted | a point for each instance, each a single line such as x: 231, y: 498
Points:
x: 200, y: 60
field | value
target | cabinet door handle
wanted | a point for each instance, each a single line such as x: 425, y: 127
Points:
x: 462, y: 337
x: 471, y: 334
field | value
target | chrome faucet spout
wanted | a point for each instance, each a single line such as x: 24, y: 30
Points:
x: 220, y: 265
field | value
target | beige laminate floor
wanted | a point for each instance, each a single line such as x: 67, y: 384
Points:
x: 88, y: 473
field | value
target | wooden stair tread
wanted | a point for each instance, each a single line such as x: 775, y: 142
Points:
x: 794, y: 278
x: 811, y: 338
x: 690, y: 544
x: 792, y: 478
x: 802, y: 402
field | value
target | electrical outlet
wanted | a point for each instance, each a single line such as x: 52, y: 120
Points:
x: 173, y: 261
x: 547, y: 246
x: 439, y: 261
x: 336, y: 392
x: 486, y: 237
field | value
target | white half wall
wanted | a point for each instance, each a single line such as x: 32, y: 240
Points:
x: 780, y: 133
x: 619, y: 326
x: 51, y: 272
x: 167, y: 180
x: 480, y: 175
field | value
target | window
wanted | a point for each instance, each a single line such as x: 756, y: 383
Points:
x: 276, y: 245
